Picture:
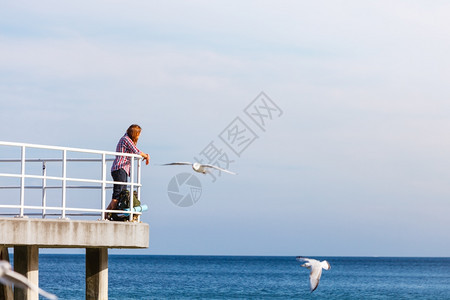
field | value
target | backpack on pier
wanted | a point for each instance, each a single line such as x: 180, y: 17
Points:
x: 124, y: 202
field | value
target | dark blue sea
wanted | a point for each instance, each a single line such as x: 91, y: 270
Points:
x: 248, y: 277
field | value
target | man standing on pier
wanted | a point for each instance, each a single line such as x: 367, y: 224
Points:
x: 120, y: 169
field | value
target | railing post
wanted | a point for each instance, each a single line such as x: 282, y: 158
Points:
x: 103, y: 185
x: 22, y: 183
x: 44, y: 190
x: 64, y: 183
x: 131, y: 187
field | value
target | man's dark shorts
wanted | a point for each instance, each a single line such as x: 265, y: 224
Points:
x: 121, y: 176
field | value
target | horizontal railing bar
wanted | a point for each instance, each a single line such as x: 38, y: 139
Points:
x: 57, y: 160
x: 67, y: 179
x: 68, y: 149
x: 68, y: 209
x: 40, y: 214
x: 54, y: 187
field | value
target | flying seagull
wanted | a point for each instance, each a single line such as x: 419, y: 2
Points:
x: 8, y: 277
x: 315, y: 267
x: 201, y: 168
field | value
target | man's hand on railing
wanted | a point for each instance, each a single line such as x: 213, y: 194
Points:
x: 145, y: 157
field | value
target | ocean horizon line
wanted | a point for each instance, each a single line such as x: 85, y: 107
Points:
x: 245, y: 255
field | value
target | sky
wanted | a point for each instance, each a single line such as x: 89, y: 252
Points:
x: 352, y: 162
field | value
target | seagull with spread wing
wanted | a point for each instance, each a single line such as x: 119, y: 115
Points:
x: 200, y: 168
x: 8, y: 277
x: 315, y: 267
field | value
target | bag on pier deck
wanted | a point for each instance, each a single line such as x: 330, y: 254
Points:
x: 124, y: 202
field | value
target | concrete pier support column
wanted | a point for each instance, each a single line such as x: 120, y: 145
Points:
x: 26, y: 262
x: 6, y: 291
x: 96, y: 273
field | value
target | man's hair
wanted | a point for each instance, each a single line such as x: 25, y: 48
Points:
x: 133, y: 132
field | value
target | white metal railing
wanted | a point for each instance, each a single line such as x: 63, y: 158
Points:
x: 64, y: 210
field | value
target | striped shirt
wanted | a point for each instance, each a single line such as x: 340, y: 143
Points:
x: 125, y: 145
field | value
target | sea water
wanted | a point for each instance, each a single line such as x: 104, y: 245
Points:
x: 248, y: 277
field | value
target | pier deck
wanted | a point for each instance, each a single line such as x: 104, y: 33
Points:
x: 52, y: 233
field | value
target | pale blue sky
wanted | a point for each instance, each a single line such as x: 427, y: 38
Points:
x: 357, y: 164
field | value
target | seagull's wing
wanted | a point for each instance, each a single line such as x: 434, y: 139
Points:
x: 314, y: 276
x: 177, y: 164
x: 325, y: 265
x: 218, y: 168
x: 307, y: 262
x: 302, y: 259
x: 11, y: 277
